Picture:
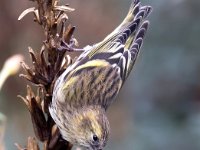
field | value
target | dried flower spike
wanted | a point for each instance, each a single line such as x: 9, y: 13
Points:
x: 47, y: 65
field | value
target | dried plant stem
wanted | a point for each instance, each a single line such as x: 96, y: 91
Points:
x: 47, y: 65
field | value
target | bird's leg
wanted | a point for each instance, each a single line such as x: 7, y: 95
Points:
x: 69, y: 47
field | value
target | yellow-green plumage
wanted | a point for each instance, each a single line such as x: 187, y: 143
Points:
x: 87, y: 88
x: 100, y: 83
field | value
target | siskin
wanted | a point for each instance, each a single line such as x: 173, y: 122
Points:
x: 86, y: 89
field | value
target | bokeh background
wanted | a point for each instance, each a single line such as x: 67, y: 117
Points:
x: 159, y: 105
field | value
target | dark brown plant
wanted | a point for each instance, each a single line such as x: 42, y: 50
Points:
x: 47, y: 65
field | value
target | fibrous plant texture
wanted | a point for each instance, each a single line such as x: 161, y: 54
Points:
x: 47, y: 64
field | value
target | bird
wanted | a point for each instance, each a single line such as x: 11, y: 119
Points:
x: 85, y: 90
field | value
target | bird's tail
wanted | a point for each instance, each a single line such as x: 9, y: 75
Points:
x: 135, y: 15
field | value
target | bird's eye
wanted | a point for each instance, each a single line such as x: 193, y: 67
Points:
x: 95, y: 138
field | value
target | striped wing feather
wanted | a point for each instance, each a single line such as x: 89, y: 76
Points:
x: 121, y: 47
x: 98, y: 74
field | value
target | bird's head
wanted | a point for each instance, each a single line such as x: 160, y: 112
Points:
x: 88, y: 128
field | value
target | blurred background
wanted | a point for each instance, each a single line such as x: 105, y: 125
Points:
x: 159, y: 105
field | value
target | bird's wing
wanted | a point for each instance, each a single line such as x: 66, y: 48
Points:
x: 101, y: 70
x: 121, y: 47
